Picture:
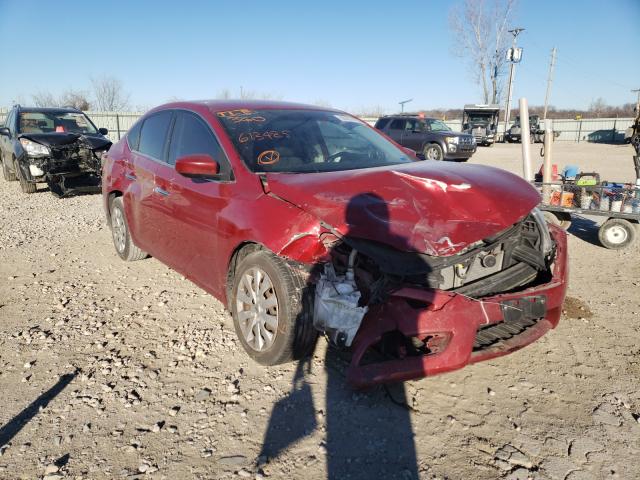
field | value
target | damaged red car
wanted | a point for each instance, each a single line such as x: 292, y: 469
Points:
x: 306, y: 221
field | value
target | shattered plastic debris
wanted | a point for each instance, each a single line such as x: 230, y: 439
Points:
x: 336, y: 309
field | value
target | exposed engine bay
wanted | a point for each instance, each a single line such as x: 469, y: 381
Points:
x: 73, y: 162
x: 363, y: 273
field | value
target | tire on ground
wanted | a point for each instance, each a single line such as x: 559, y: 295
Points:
x: 295, y: 336
x: 433, y: 150
x: 122, y: 240
x: 617, y: 233
x: 25, y: 186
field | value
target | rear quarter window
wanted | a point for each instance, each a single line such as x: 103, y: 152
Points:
x: 382, y: 123
x: 133, y: 136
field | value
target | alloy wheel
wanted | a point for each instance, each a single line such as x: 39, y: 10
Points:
x: 257, y: 307
x: 118, y: 230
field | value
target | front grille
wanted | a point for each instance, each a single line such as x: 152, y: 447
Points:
x: 490, y: 335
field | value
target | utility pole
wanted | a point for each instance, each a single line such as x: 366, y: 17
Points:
x: 514, y: 55
x: 637, y: 90
x: 549, y: 82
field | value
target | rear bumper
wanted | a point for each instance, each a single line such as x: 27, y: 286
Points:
x: 454, y: 321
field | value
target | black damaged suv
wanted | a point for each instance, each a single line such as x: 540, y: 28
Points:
x: 59, y: 146
x: 429, y: 137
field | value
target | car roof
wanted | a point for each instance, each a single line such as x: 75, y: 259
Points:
x: 48, y: 109
x: 224, y: 105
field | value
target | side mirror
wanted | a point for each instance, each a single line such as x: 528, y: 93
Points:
x: 103, y: 131
x: 197, y: 166
x: 5, y: 131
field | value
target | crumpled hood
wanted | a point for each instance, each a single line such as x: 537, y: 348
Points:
x: 56, y: 139
x: 435, y: 208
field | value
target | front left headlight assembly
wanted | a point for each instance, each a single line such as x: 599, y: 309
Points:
x: 452, y: 140
x: 34, y: 149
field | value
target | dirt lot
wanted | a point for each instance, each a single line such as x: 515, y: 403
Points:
x: 109, y: 369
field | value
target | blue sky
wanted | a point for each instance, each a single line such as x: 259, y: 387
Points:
x: 351, y: 54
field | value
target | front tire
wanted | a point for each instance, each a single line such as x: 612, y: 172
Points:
x: 272, y: 308
x: 617, y: 233
x: 433, y: 151
x: 25, y: 186
x: 122, y: 240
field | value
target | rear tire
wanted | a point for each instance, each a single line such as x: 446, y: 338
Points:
x: 25, y: 186
x: 272, y: 308
x: 122, y: 240
x: 433, y: 151
x: 617, y: 233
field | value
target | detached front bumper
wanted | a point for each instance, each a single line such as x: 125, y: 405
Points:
x: 457, y: 329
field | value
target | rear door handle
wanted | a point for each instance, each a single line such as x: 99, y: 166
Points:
x: 161, y: 191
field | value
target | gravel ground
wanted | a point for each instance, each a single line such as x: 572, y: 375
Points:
x: 127, y: 370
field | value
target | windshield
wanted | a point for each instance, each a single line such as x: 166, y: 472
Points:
x: 52, y: 122
x: 437, y: 126
x: 306, y: 141
x: 480, y: 118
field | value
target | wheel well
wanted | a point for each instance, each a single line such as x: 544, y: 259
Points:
x: 238, y: 254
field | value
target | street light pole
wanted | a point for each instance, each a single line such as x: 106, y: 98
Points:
x: 402, y: 104
x: 507, y: 111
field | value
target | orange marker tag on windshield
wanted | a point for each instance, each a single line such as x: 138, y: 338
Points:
x: 268, y: 157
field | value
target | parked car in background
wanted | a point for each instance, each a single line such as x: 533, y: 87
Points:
x: 302, y: 219
x: 57, y: 146
x: 481, y: 121
x: 431, y: 138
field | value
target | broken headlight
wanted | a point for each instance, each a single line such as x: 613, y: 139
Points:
x: 34, y: 149
x: 547, y: 243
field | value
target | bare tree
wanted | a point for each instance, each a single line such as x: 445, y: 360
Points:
x: 109, y: 94
x: 224, y: 94
x: 481, y: 31
x: 373, y: 111
x: 76, y: 99
x: 598, y: 107
x: 44, y: 99
x: 254, y: 95
x: 71, y: 98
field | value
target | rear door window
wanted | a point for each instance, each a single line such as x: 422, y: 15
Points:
x: 153, y: 135
x: 397, y: 124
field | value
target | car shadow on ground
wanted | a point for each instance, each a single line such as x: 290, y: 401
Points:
x: 368, y: 435
x: 11, y: 428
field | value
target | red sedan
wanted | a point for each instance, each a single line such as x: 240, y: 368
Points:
x: 305, y: 220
